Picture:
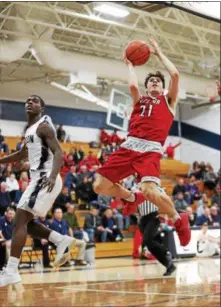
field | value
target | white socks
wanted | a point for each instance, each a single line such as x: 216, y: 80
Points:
x: 55, y: 237
x: 12, y: 265
x: 131, y: 198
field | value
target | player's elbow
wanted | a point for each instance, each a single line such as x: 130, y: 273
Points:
x: 175, y: 75
x: 133, y: 87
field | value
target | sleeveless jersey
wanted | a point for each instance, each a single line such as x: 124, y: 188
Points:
x: 39, y: 155
x: 151, y: 119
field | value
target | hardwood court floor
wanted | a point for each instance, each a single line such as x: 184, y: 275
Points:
x: 119, y: 282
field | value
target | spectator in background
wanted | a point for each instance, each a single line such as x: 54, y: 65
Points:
x: 63, y: 199
x: 204, y: 218
x: 202, y: 204
x: 115, y: 138
x: 60, y: 225
x: 68, y: 162
x: 7, y: 171
x: 179, y: 187
x: 3, y: 145
x: 170, y: 150
x: 180, y: 204
x: 85, y: 191
x: 209, y: 174
x: 114, y: 147
x: 13, y: 186
x: 216, y: 198
x: 191, y: 216
x: 43, y: 244
x: 196, y: 171
x: 215, y: 216
x: 92, y: 160
x: 19, y: 193
x: 72, y: 221
x: 78, y: 154
x: 104, y: 202
x: 5, y: 200
x: 113, y: 233
x: 123, y: 222
x: 83, y: 172
x: 6, y: 228
x: 102, y: 157
x: 192, y: 190
x: 71, y: 179
x: 93, y: 227
x: 23, y: 178
x: 104, y: 137
x: 20, y: 144
x: 61, y: 134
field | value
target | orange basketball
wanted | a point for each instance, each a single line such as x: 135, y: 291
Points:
x: 137, y: 52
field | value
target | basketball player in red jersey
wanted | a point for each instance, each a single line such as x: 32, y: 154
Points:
x: 149, y: 126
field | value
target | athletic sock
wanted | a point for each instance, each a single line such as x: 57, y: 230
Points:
x: 55, y: 237
x: 131, y: 198
x: 12, y: 265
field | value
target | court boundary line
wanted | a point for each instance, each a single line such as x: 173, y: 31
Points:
x: 139, y: 292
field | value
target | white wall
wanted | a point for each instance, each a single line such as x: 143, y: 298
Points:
x: 207, y: 118
x: 190, y: 151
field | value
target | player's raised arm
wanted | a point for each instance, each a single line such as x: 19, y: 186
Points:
x: 47, y: 134
x: 133, y: 82
x: 16, y: 156
x: 174, y: 81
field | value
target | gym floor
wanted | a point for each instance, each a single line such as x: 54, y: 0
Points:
x: 119, y: 282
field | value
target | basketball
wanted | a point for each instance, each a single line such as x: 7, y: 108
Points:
x: 138, y: 53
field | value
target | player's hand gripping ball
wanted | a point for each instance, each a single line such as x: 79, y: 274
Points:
x: 137, y: 52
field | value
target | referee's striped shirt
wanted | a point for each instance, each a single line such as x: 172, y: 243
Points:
x: 146, y: 208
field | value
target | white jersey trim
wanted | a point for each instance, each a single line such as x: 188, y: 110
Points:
x: 152, y: 179
x: 141, y: 145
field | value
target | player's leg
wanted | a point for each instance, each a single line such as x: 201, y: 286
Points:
x: 118, y: 166
x: 152, y: 192
x: 148, y: 168
x: 19, y: 235
x: 104, y: 186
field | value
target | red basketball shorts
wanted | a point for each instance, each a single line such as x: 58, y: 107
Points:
x: 125, y: 162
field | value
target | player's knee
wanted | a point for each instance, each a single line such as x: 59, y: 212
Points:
x: 98, y: 187
x: 101, y: 185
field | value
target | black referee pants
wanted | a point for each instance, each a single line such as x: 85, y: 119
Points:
x: 149, y: 226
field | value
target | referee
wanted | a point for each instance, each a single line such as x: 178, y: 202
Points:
x: 150, y: 228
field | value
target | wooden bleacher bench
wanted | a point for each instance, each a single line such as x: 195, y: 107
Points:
x: 103, y: 250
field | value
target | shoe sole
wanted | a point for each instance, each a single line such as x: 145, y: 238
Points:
x: 65, y: 256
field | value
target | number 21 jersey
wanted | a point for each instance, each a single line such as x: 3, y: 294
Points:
x: 151, y: 119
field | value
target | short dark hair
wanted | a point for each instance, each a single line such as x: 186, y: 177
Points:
x: 156, y: 74
x: 40, y: 99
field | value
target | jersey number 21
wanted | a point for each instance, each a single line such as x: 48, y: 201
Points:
x: 143, y: 110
